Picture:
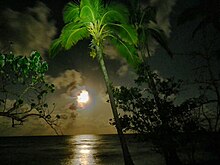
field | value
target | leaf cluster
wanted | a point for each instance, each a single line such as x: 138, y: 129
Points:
x: 141, y: 113
x: 93, y: 19
x: 19, y: 69
x: 23, y: 89
x: 144, y: 20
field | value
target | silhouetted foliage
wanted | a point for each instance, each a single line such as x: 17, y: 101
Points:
x: 23, y: 89
x: 143, y: 18
x: 162, y: 123
x: 208, y: 83
x: 205, y: 55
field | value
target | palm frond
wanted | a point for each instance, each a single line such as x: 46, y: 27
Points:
x: 159, y: 35
x: 72, y: 33
x: 91, y: 10
x: 55, y: 47
x: 128, y: 51
x: 98, y: 5
x: 87, y: 14
x: 71, y: 12
x: 125, y: 32
x: 148, y: 13
x: 116, y: 13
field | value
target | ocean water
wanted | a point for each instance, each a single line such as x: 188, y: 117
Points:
x: 74, y: 150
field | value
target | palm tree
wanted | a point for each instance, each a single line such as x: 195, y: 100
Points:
x: 143, y: 19
x: 100, y: 22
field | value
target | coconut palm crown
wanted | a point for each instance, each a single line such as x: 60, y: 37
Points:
x: 92, y: 19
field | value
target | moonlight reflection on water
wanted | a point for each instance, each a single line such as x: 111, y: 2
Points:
x: 74, y: 150
x: 84, y: 150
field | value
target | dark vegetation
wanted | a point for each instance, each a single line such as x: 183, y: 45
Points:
x: 183, y: 129
x: 23, y: 89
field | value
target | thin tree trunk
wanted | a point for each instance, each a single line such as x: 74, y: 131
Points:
x: 169, y: 150
x: 126, y: 154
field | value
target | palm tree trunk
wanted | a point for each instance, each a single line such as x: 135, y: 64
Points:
x: 126, y: 154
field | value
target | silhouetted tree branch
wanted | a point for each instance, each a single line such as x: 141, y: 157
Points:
x: 23, y: 89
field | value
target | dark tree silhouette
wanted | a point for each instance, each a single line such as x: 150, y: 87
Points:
x: 23, y: 89
x: 205, y: 55
x: 164, y: 124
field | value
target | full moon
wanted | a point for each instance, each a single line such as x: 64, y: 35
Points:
x: 83, y: 97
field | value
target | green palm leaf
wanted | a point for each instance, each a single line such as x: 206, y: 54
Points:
x: 55, y: 47
x: 116, y: 13
x: 97, y: 6
x: 110, y: 18
x: 87, y: 14
x: 87, y: 3
x: 72, y: 33
x: 128, y: 51
x: 71, y: 13
x: 90, y: 10
x: 125, y: 32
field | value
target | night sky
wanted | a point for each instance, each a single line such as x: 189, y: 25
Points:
x: 32, y: 25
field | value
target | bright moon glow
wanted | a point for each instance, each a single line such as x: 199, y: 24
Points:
x: 83, y: 97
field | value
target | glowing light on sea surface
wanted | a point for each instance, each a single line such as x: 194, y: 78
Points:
x: 84, y: 150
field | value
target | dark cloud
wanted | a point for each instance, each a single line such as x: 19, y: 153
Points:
x: 164, y: 9
x: 68, y: 79
x: 27, y: 31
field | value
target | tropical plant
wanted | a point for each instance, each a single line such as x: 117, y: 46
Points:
x: 168, y: 126
x: 143, y: 18
x: 23, y: 89
x: 100, y: 22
